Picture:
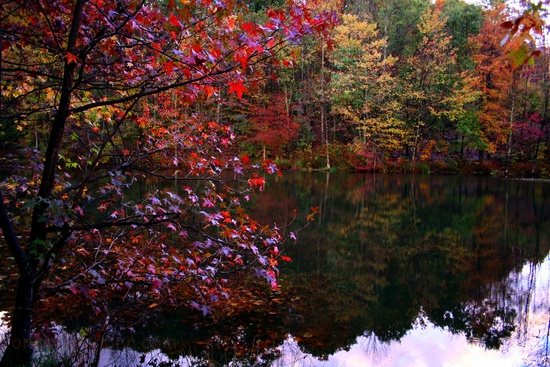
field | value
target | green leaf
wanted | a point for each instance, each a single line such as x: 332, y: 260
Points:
x: 518, y: 56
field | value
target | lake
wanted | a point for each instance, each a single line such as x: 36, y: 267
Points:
x: 419, y: 270
x: 395, y: 270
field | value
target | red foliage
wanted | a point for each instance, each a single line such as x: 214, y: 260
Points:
x: 272, y: 126
x: 114, y: 86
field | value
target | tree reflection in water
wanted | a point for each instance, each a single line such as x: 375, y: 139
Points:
x: 388, y: 255
x: 390, y: 248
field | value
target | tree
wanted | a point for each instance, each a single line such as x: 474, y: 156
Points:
x: 310, y: 81
x: 434, y: 92
x: 399, y: 21
x: 495, y: 79
x: 463, y: 20
x: 272, y: 126
x: 362, y: 87
x: 523, y: 35
x: 115, y: 85
x: 544, y: 97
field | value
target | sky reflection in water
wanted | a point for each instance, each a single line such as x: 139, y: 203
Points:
x: 429, y: 346
x: 359, y: 278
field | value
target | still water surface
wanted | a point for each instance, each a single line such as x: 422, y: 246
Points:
x: 396, y: 270
x: 419, y: 270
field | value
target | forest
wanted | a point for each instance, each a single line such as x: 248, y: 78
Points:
x: 394, y: 86
x: 201, y: 100
x: 408, y: 86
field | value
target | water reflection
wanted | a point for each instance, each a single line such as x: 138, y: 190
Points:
x: 391, y: 253
x: 429, y: 345
x: 396, y: 270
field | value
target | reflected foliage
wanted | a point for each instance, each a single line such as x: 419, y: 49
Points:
x: 385, y: 254
x: 387, y: 249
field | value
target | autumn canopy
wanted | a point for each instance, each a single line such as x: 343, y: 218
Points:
x: 134, y: 133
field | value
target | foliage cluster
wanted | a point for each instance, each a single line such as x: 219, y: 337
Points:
x: 121, y: 191
x: 417, y: 86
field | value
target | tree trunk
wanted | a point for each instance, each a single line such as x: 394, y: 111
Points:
x: 415, y: 146
x: 19, y: 350
x: 324, y: 127
x: 542, y: 125
x: 511, y: 126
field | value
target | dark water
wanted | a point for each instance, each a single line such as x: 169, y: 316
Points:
x: 395, y: 270
x: 391, y: 255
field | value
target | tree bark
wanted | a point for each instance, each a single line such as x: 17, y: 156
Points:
x: 19, y: 350
x: 542, y: 125
x: 324, y: 127
x: 511, y: 126
x: 415, y: 146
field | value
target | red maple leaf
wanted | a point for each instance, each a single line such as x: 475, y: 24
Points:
x: 174, y: 21
x: 169, y: 67
x: 243, y: 60
x: 271, y: 43
x: 71, y: 58
x: 156, y: 47
x: 209, y: 90
x: 247, y: 27
x: 237, y: 87
x: 256, y: 182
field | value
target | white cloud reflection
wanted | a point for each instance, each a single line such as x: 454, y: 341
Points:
x: 429, y: 346
x: 425, y: 345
